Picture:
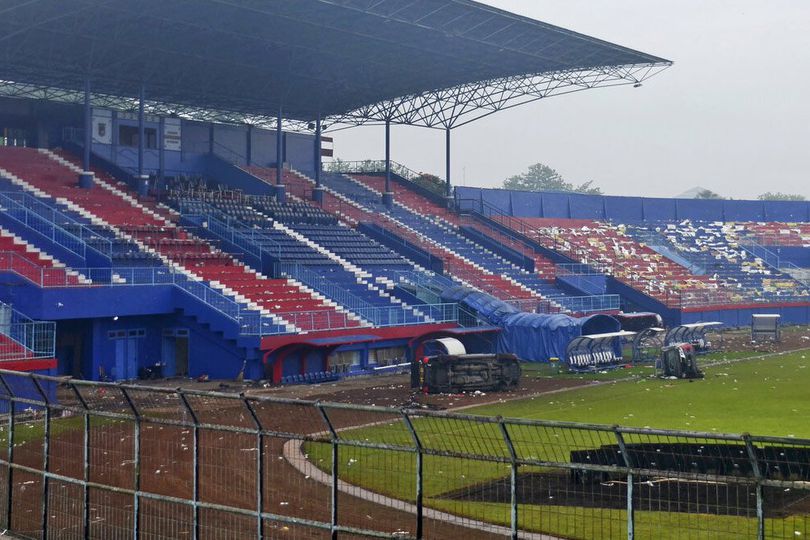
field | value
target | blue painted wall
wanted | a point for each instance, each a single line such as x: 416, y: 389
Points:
x: 230, y: 142
x: 631, y: 209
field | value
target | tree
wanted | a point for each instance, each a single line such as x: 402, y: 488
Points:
x: 707, y: 194
x: 431, y: 182
x: 541, y: 177
x: 336, y: 166
x: 778, y: 196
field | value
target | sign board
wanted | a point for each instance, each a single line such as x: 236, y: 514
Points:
x: 327, y: 146
x: 129, y: 115
x: 172, y: 134
x: 102, y: 126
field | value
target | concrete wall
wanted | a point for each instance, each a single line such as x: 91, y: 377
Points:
x: 630, y: 209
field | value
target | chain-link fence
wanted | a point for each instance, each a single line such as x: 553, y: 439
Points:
x: 98, y: 460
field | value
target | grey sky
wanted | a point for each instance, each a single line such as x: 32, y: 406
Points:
x: 732, y: 114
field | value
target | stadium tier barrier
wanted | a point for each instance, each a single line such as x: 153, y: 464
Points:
x: 633, y: 209
x: 171, y: 463
x: 251, y: 322
x: 22, y: 338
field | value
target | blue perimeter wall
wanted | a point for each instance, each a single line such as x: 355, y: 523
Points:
x: 630, y: 209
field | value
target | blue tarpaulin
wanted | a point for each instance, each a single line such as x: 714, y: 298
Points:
x: 487, y: 306
x: 533, y: 337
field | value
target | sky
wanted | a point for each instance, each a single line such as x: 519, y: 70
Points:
x: 731, y: 115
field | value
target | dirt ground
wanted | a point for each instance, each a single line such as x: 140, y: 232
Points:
x: 228, y: 463
x: 395, y: 391
x: 793, y: 338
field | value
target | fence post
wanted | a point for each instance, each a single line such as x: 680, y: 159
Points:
x: 9, y: 451
x: 631, y: 509
x: 260, y: 466
x: 335, y: 478
x: 195, y: 464
x: 419, y: 479
x: 85, y: 461
x: 513, y: 502
x: 752, y: 455
x: 136, y: 451
x: 46, y: 443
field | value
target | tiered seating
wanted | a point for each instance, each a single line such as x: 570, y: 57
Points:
x: 332, y: 277
x: 354, y: 246
x: 409, y: 198
x: 610, y: 249
x: 780, y: 234
x: 11, y: 350
x: 439, y: 229
x: 22, y: 258
x: 354, y: 203
x: 120, y: 251
x: 426, y: 207
x: 299, y: 188
x: 292, y: 212
x: 715, y: 247
x: 147, y: 202
x: 150, y: 229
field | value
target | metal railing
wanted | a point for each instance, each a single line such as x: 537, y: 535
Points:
x: 22, y: 338
x: 253, y: 242
x: 590, y: 303
x: 795, y: 238
x: 101, y: 460
x: 379, y: 316
x: 435, y: 191
x: 371, y: 166
x: 250, y: 321
x: 51, y: 223
x: 382, y: 316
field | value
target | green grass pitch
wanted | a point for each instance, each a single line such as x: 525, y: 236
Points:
x: 765, y: 396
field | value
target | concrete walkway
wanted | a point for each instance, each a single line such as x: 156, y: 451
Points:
x: 294, y: 454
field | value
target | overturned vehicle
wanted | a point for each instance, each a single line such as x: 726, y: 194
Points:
x: 451, y: 370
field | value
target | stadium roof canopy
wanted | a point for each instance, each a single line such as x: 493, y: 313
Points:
x: 438, y: 63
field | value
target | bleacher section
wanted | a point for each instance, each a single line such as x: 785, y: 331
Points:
x: 609, y: 249
x: 350, y: 265
x: 421, y: 205
x: 465, y: 259
x: 295, y: 249
x: 84, y: 243
x: 46, y: 173
x: 345, y: 207
x: 25, y: 344
x: 26, y: 260
x: 717, y: 249
x: 780, y: 234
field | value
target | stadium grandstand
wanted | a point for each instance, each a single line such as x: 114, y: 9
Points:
x: 166, y: 215
x: 163, y: 196
x: 164, y: 201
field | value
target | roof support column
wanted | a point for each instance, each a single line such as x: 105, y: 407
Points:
x: 249, y: 146
x: 281, y: 195
x: 448, y: 187
x: 161, y: 154
x: 143, y: 180
x: 388, y: 196
x: 86, y: 176
x: 317, y: 193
